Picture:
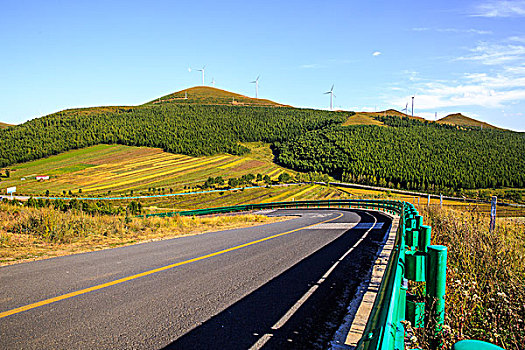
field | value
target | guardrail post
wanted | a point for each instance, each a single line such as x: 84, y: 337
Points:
x: 425, y: 233
x: 436, y: 285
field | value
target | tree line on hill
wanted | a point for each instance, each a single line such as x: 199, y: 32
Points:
x: 408, y: 154
x: 186, y: 129
x: 414, y: 155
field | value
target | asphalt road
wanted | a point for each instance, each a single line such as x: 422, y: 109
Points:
x: 281, y: 285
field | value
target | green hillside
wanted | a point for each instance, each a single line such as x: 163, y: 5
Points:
x: 386, y: 148
x: 194, y: 130
x: 411, y: 154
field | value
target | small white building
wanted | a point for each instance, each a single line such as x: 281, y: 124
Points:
x: 42, y: 177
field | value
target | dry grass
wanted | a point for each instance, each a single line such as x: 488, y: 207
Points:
x: 362, y: 119
x: 485, y: 277
x: 31, y: 234
x: 461, y: 120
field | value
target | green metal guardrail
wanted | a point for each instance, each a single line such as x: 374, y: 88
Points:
x: 413, y: 258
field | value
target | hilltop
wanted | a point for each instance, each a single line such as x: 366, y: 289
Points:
x: 369, y: 118
x: 206, y: 95
x: 461, y: 120
x: 198, y: 95
x: 4, y: 125
x: 374, y: 118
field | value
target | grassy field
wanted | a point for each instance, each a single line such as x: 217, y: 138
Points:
x: 238, y: 197
x: 97, y: 170
x: 38, y: 233
x: 422, y: 201
x: 362, y: 119
x: 485, y: 275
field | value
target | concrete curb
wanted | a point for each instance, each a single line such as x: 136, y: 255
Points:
x: 367, y: 293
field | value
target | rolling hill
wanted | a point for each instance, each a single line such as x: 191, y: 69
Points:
x: 191, y: 128
x: 203, y: 122
x: 206, y: 95
x: 4, y: 125
x: 461, y: 120
x: 198, y: 95
x: 391, y: 112
x: 369, y: 118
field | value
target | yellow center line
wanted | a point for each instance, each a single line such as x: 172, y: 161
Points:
x: 146, y: 273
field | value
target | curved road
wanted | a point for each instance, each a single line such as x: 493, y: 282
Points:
x: 280, y: 285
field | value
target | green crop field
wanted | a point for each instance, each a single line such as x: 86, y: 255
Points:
x: 246, y: 196
x: 97, y: 170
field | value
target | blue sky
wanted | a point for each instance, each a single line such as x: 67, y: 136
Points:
x: 466, y: 56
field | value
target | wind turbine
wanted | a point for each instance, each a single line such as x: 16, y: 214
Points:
x: 413, y: 104
x: 406, y: 108
x: 331, y: 92
x: 213, y: 82
x: 256, y: 82
x: 202, y: 71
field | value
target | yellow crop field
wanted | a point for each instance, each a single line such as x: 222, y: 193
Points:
x: 119, y: 169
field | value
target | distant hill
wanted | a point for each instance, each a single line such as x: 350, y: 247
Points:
x: 206, y: 95
x: 367, y: 118
x: 4, y: 125
x: 461, y: 120
x: 391, y: 112
x: 361, y: 119
x: 95, y: 110
x: 198, y: 95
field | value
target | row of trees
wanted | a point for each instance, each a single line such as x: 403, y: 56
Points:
x: 185, y: 129
x: 246, y: 180
x: 413, y: 157
x: 89, y: 207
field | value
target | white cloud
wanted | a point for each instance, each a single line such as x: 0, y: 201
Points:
x: 453, y: 30
x: 495, y: 54
x: 482, y: 89
x: 516, y: 79
x: 500, y: 9
x: 310, y: 66
x: 496, y: 81
x: 377, y: 53
x: 519, y: 39
x: 443, y: 96
x: 471, y: 31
